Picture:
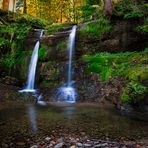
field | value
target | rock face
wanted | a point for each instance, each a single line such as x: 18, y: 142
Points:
x: 31, y: 39
x: 52, y: 67
x: 122, y: 37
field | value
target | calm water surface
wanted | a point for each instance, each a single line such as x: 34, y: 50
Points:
x: 32, y: 122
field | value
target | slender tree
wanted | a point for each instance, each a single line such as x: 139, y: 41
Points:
x: 108, y: 10
x: 5, y: 4
x: 25, y: 6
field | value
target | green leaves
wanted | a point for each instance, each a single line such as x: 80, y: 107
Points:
x: 33, y: 22
x: 133, y: 15
x: 134, y: 90
x: 3, y: 41
x: 12, y: 38
x: 130, y: 9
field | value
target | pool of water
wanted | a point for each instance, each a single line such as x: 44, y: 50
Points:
x: 33, y: 122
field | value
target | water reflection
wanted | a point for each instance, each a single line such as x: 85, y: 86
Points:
x: 69, y: 111
x: 68, y: 119
x: 32, y: 117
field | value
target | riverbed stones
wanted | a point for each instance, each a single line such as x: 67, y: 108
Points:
x: 34, y: 146
x: 79, y: 144
x: 47, y: 139
x: 59, y: 145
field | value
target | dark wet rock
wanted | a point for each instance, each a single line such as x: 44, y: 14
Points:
x: 125, y: 107
x: 122, y: 37
x: 32, y: 37
x: 4, y: 145
x: 8, y: 80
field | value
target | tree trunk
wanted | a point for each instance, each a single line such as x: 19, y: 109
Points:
x: 25, y: 7
x: 5, y: 4
x: 108, y: 10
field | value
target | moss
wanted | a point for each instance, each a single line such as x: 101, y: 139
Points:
x: 61, y: 45
x: 133, y: 66
x: 51, y: 29
x: 95, y: 29
x: 45, y: 84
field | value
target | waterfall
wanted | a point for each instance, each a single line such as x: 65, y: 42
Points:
x: 32, y: 68
x: 71, y: 46
x: 67, y: 92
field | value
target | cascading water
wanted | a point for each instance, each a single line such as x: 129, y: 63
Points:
x: 32, y: 68
x: 71, y: 46
x: 67, y: 92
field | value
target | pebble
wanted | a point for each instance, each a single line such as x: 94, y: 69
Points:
x: 59, y: 145
x: 34, y: 146
x: 73, y: 142
x: 87, y: 145
x: 98, y: 146
x: 79, y: 144
x: 104, y: 144
x: 49, y: 146
x: 73, y: 146
x: 5, y: 145
x: 52, y: 142
x: 123, y: 147
x: 47, y: 139
x: 60, y: 140
x: 20, y: 143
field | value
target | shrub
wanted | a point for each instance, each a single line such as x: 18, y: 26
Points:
x: 130, y: 9
x: 32, y: 21
x: 143, y: 28
x: 130, y: 65
x: 133, y: 92
x: 95, y: 29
